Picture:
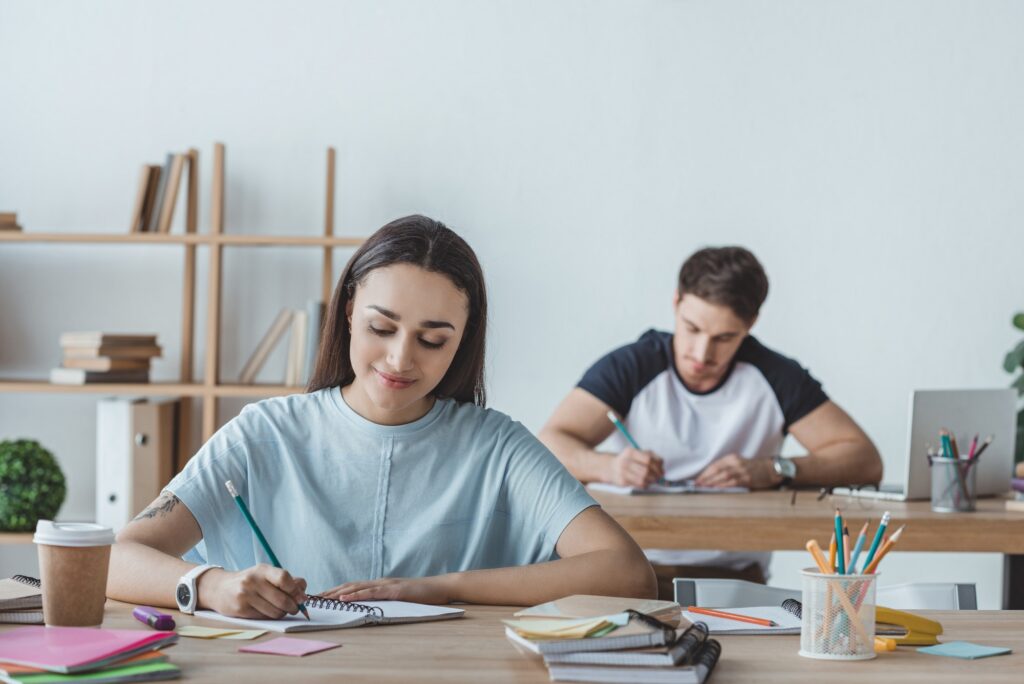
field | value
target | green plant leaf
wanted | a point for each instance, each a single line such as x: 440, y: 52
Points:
x: 1015, y: 358
x: 1018, y: 321
x: 1018, y: 385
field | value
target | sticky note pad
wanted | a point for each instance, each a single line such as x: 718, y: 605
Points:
x: 964, y: 649
x: 289, y: 647
x: 245, y: 635
x: 200, y: 632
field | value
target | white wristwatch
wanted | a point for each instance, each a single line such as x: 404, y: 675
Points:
x: 186, y: 594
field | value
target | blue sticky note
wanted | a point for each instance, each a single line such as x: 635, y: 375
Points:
x: 964, y: 649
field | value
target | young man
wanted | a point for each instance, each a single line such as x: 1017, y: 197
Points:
x: 709, y: 402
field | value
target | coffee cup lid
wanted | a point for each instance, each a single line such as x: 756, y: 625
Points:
x: 72, y: 534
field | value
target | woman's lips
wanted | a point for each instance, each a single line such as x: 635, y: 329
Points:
x: 393, y: 381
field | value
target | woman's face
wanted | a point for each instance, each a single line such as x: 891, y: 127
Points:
x: 406, y: 324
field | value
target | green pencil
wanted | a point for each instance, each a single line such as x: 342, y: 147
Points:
x: 259, y: 535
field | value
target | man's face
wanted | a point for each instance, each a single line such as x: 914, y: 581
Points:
x: 706, y: 338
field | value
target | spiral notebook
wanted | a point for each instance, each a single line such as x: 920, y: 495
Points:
x: 695, y: 673
x: 325, y: 613
x: 21, y: 601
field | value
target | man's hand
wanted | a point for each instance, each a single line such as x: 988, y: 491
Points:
x: 735, y: 471
x: 634, y: 468
x: 418, y: 590
x: 261, y: 591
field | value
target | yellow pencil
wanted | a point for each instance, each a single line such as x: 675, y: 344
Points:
x: 832, y: 548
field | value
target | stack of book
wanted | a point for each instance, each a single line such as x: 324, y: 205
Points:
x: 21, y: 601
x: 104, y: 357
x: 9, y: 221
x: 34, y: 655
x: 606, y: 639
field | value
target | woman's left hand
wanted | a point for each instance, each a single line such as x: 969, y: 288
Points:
x: 417, y: 590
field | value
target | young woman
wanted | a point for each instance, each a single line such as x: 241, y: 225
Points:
x: 388, y: 479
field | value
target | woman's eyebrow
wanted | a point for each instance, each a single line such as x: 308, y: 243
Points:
x: 423, y: 324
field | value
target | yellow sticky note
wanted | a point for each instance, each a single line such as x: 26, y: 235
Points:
x: 557, y: 629
x: 199, y: 632
x: 246, y: 634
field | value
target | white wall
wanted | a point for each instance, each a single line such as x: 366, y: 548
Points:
x: 869, y: 153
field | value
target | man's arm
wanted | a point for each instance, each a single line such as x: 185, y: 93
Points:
x: 597, y: 557
x: 578, y: 425
x: 839, y: 453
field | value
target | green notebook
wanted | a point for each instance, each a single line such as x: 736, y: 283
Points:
x: 148, y: 672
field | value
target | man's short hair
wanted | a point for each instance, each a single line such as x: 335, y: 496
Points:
x: 727, y: 276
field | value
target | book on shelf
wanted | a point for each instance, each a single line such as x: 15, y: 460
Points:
x: 314, y: 317
x: 152, y: 186
x: 158, y: 201
x: 266, y: 345
x: 106, y: 363
x: 170, y: 197
x: 80, y: 376
x: 132, y: 351
x: 9, y: 220
x: 139, y: 206
x: 297, y: 348
x: 97, y: 339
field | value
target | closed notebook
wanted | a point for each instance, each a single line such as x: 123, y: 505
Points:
x: 683, y: 650
x: 640, y: 632
x: 589, y: 606
x: 149, y: 672
x: 678, y: 487
x: 697, y: 673
x: 20, y: 593
x: 787, y: 622
x: 327, y: 613
x: 77, y: 649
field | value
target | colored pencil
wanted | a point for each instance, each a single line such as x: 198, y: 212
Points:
x: 733, y: 616
x: 622, y: 428
x: 832, y: 552
x: 879, y: 533
x: 259, y: 534
x: 858, y: 547
x: 841, y: 551
x: 984, y: 445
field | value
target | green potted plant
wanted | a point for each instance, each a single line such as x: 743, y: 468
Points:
x: 32, y: 485
x: 1014, y: 362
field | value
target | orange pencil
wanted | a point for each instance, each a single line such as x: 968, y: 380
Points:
x: 832, y: 548
x: 733, y: 616
x: 846, y: 548
x: 886, y: 547
x: 819, y: 557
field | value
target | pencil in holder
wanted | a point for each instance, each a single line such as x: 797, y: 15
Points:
x: 838, y: 616
x: 954, y: 485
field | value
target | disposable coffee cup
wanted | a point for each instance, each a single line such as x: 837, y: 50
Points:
x: 73, y: 562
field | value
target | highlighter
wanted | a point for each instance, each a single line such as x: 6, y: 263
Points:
x: 154, y: 618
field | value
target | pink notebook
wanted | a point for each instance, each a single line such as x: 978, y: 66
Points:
x: 77, y: 649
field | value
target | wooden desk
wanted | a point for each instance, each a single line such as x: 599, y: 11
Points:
x: 474, y: 649
x: 765, y: 521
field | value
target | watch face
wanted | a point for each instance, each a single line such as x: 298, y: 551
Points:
x: 184, y: 595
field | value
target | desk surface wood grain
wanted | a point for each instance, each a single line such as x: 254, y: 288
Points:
x: 765, y: 521
x: 474, y: 649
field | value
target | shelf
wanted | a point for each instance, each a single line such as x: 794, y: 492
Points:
x: 183, y: 239
x: 150, y: 389
x: 15, y: 538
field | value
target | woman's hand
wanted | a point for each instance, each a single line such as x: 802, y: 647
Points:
x: 261, y: 591
x: 418, y: 590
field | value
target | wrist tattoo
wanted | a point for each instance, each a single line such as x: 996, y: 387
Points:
x: 162, y: 506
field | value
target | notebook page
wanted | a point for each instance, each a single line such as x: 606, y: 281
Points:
x: 319, y: 618
x: 403, y: 611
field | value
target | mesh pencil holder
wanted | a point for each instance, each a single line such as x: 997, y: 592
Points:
x: 838, y: 617
x: 954, y: 485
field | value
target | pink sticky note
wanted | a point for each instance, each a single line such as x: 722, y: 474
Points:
x: 289, y: 647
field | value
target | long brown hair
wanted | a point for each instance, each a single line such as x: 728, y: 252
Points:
x: 432, y: 246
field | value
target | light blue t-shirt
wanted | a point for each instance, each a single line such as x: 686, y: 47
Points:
x: 340, y: 498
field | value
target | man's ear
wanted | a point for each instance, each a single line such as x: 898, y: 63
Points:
x: 676, y: 298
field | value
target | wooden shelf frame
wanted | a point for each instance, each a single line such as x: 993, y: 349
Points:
x: 210, y: 388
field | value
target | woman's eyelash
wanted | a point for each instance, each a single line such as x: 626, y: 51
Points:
x: 386, y: 333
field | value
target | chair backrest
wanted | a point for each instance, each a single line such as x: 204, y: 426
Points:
x: 726, y: 593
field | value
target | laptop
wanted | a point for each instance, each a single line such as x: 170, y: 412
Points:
x: 965, y: 413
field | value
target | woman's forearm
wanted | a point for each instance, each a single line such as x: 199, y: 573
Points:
x: 142, y: 574
x: 605, y: 572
